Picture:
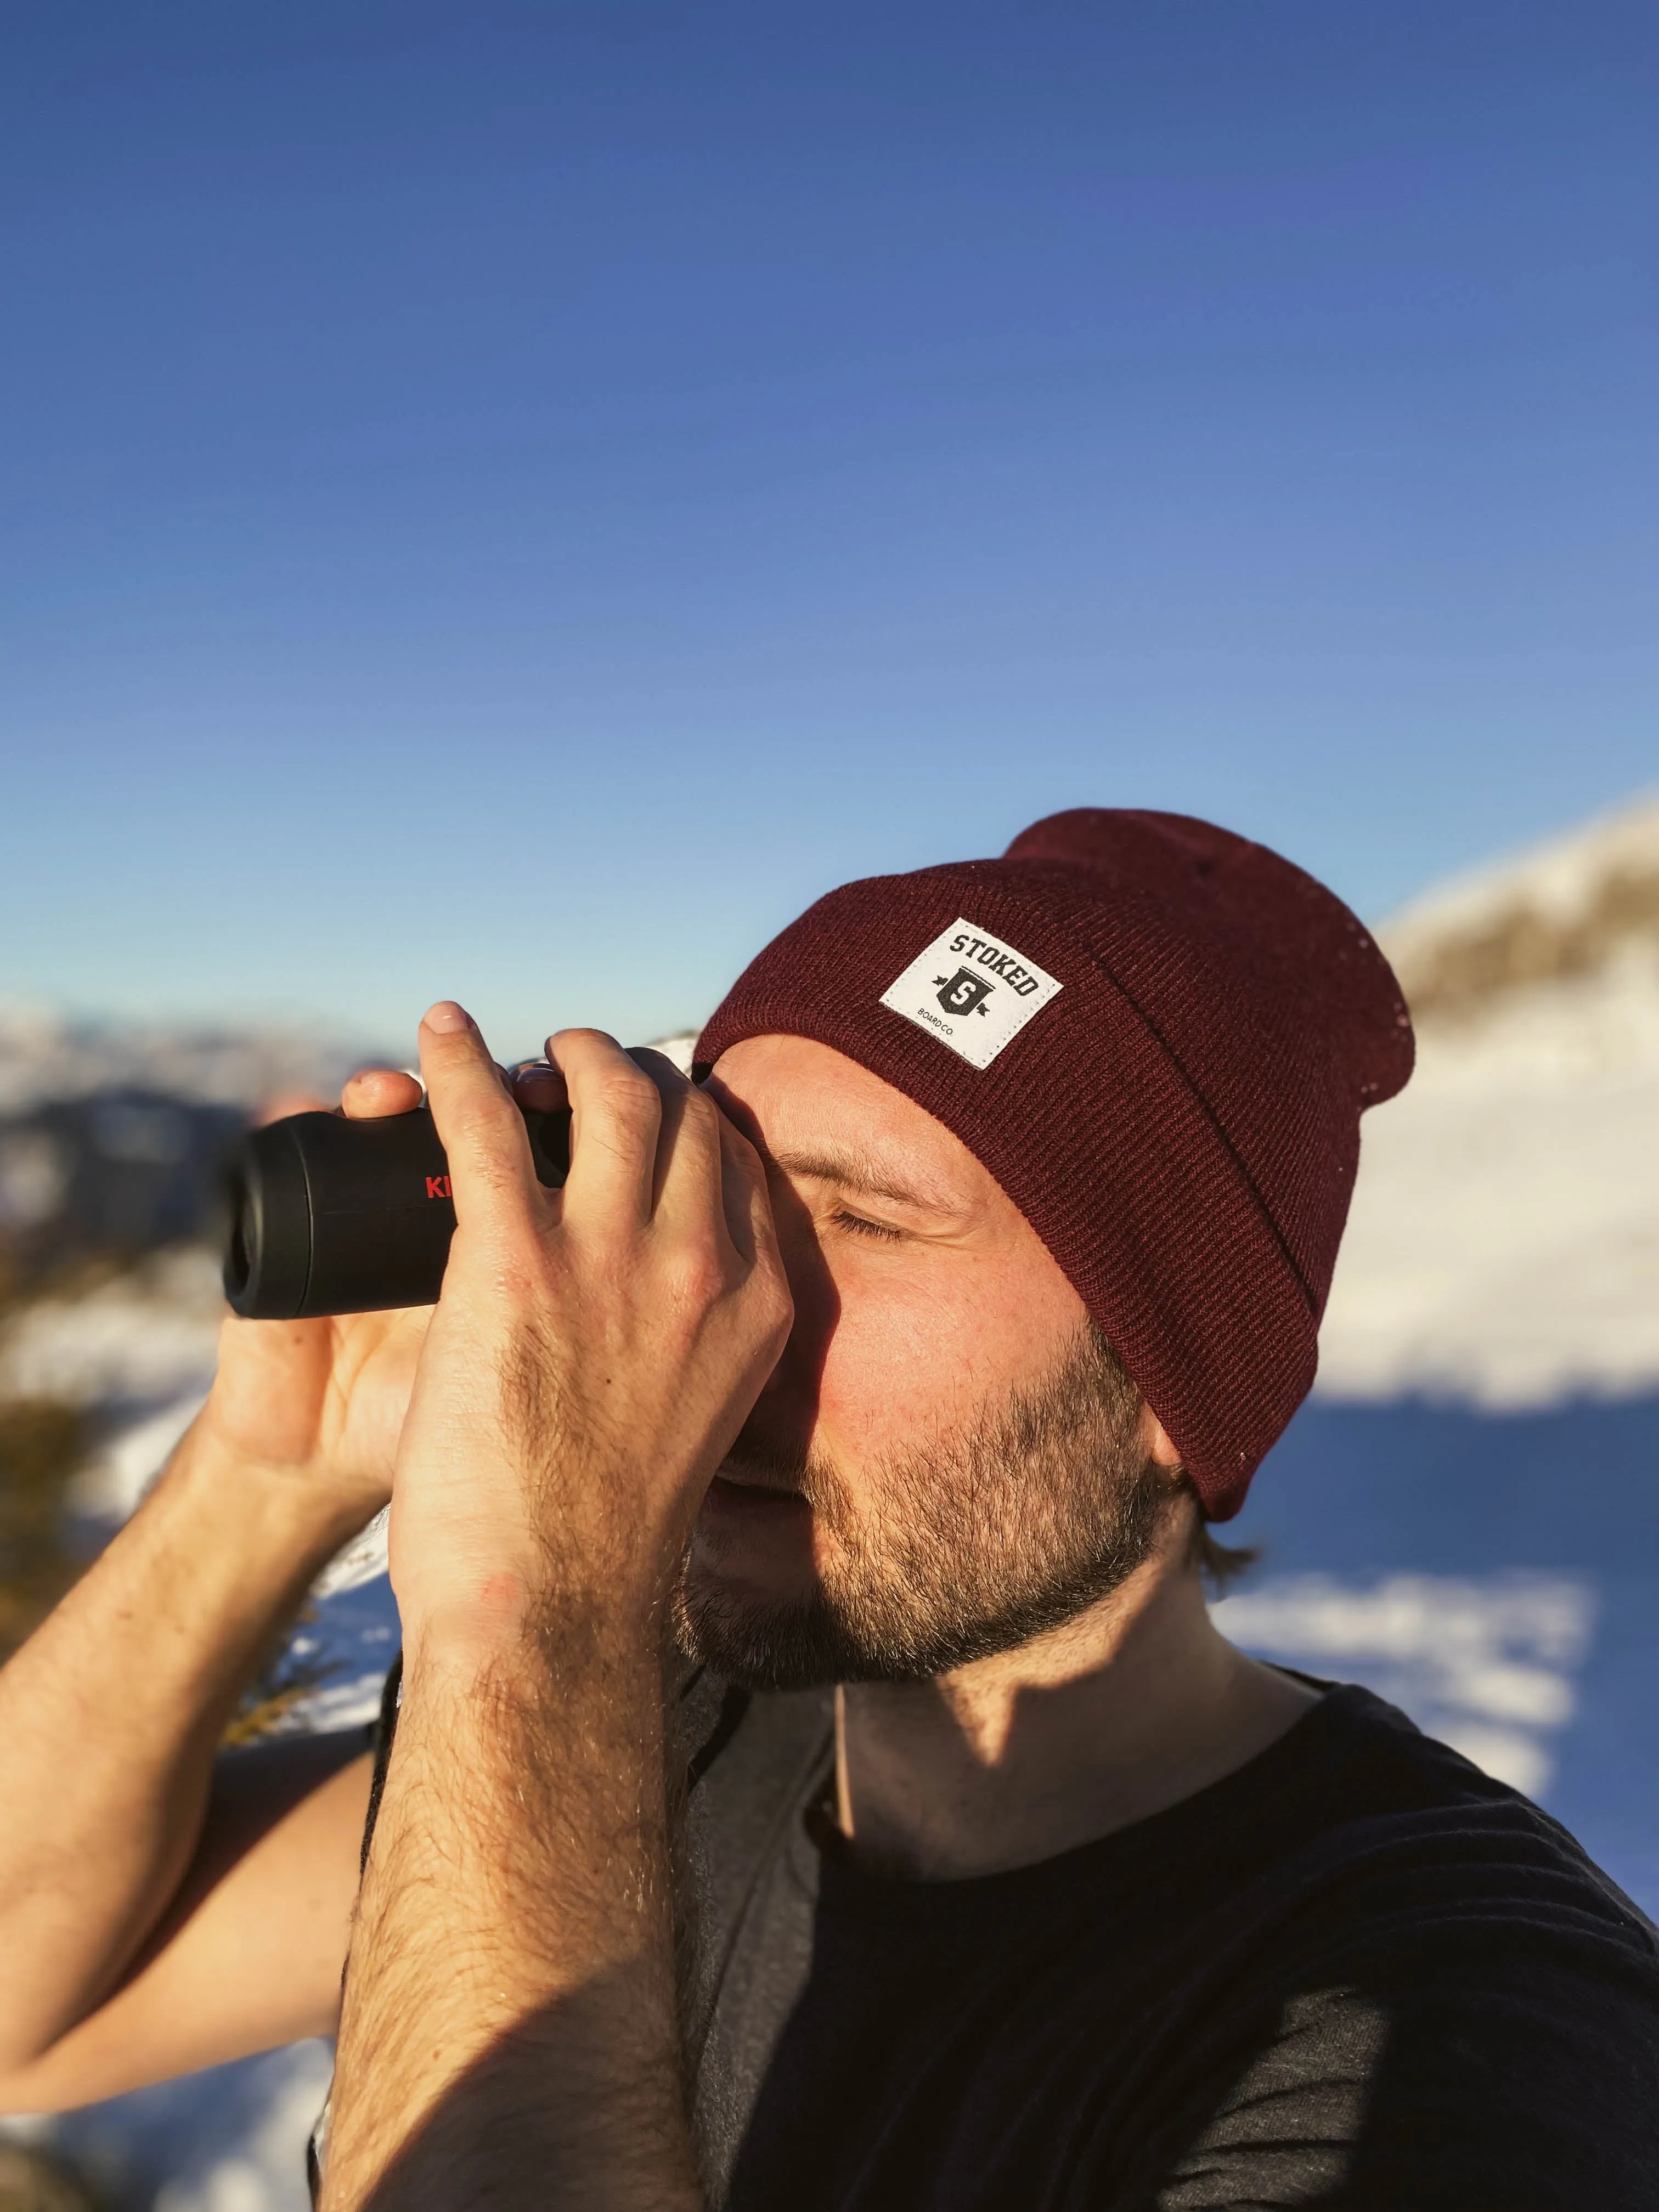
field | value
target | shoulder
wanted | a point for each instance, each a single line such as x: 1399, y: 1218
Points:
x: 1402, y: 1835
x: 1403, y: 1868
x: 1434, y: 2062
x: 1436, y: 1998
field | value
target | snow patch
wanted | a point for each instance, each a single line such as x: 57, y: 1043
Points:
x: 358, y: 1562
x: 340, y: 1706
x: 231, y: 2139
x: 109, y: 1486
x: 150, y: 1336
x: 1503, y: 1243
x: 1502, y: 1247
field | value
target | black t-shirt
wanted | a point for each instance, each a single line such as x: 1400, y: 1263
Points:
x: 1356, y: 1973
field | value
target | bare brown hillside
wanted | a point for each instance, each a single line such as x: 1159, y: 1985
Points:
x: 1522, y: 942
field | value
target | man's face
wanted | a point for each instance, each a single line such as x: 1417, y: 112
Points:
x: 945, y: 1458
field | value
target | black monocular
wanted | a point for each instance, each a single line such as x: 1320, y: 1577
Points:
x: 329, y: 1216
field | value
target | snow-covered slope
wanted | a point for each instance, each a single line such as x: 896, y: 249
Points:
x: 1503, y: 1245
x: 1578, y: 905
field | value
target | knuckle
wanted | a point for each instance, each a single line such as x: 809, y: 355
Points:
x: 699, y: 1112
x: 629, y: 1096
x: 607, y: 1140
x: 773, y: 1294
x: 696, y: 1275
x: 661, y: 1071
x: 474, y: 1121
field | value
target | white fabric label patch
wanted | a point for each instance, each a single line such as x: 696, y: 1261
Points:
x: 970, y: 991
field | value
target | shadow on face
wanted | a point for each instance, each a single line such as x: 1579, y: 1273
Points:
x: 947, y: 1456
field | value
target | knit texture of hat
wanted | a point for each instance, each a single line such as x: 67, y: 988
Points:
x: 1159, y: 1038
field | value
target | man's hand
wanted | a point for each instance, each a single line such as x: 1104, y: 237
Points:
x: 594, y: 1352
x: 320, y: 1403
x: 509, y: 2031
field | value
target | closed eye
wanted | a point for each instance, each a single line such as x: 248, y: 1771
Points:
x: 860, y: 1226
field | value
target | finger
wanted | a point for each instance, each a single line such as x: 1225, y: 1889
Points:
x: 662, y: 1071
x: 616, y: 1110
x: 537, y: 1087
x: 746, y: 1197
x: 751, y: 1224
x: 748, y: 1192
x: 490, y: 1170
x: 374, y: 1091
x: 688, y: 1179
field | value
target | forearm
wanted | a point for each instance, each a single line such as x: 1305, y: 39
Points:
x: 509, y: 2035
x: 110, y: 1716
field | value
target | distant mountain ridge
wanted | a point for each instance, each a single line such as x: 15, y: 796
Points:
x: 45, y: 1057
x: 112, y: 1135
x: 1503, y: 1243
x: 1575, y: 907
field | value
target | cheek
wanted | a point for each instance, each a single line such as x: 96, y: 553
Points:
x: 915, y: 1355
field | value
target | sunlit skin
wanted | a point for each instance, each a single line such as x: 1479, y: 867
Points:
x: 921, y: 1291
x: 920, y: 1295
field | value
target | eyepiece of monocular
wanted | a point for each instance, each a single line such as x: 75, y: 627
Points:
x: 330, y: 1216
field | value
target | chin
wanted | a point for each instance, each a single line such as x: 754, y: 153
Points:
x: 760, y: 1647
x: 753, y: 1547
x: 754, y: 1617
x: 736, y: 1580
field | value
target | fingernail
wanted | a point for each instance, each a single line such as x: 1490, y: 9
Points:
x: 446, y: 1017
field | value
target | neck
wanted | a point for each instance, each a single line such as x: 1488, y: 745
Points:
x: 1133, y: 1705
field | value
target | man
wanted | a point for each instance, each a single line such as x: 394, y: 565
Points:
x: 897, y: 1368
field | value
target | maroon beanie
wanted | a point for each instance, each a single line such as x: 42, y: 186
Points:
x: 1159, y: 1038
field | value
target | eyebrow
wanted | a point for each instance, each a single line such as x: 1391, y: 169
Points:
x: 838, y: 1164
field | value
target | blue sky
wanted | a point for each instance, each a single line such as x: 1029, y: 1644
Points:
x: 514, y: 499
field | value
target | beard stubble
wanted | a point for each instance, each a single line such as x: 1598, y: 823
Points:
x: 967, y: 1546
